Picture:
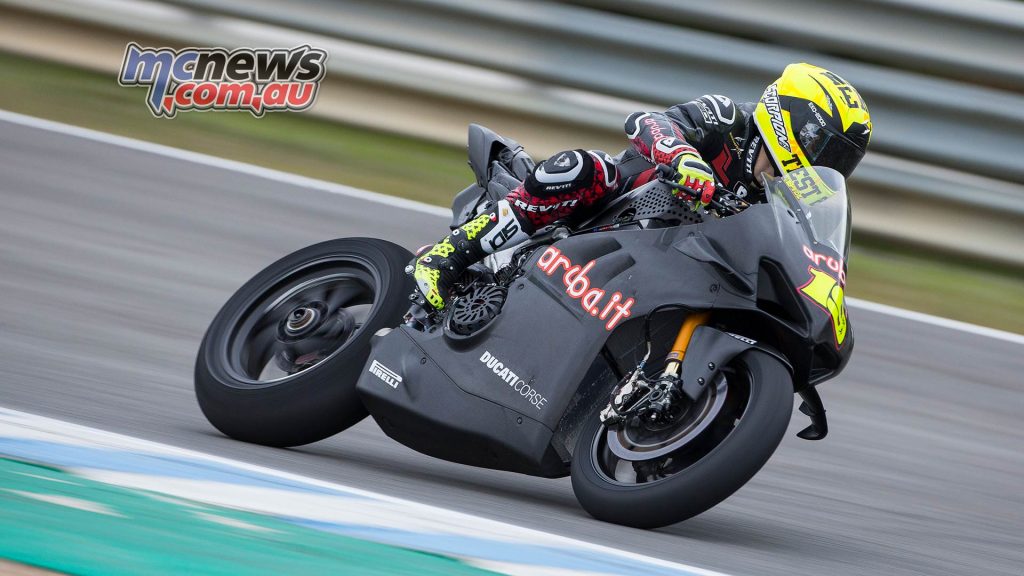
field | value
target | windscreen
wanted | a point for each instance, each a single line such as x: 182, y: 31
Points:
x: 816, y: 196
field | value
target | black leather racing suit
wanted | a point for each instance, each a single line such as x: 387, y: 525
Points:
x: 569, y: 183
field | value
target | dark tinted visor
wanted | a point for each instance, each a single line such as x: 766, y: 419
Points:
x: 825, y: 147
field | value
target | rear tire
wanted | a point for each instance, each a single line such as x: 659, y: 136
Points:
x: 320, y: 400
x: 705, y: 483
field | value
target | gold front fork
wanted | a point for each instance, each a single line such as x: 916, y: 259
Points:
x: 675, y: 357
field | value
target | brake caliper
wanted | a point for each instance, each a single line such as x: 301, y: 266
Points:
x: 621, y: 397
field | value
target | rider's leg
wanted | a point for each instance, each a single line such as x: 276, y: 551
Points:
x: 562, y: 185
x: 440, y: 266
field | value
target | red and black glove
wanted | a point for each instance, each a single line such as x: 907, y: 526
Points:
x: 696, y: 175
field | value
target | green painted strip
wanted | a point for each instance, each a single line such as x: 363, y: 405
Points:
x: 56, y: 520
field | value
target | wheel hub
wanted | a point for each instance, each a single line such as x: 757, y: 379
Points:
x: 310, y: 313
x: 300, y: 319
x: 308, y: 332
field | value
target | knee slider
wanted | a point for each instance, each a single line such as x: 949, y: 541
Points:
x: 563, y: 172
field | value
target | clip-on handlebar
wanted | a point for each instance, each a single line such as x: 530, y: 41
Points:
x: 669, y: 177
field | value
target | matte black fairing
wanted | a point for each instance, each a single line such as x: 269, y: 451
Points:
x: 533, y: 356
x: 507, y: 388
x: 499, y: 164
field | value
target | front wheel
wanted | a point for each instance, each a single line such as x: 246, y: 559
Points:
x: 279, y: 363
x: 648, y: 477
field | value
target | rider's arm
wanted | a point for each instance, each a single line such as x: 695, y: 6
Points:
x: 656, y: 137
x: 711, y: 114
x: 660, y: 139
x: 691, y: 123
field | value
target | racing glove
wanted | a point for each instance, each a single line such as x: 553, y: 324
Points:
x: 696, y: 175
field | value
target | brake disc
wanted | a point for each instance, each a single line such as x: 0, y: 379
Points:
x: 628, y: 441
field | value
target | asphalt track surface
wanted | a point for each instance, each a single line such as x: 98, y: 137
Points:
x: 113, y: 261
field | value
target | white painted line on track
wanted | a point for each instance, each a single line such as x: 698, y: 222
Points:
x: 334, y: 188
x: 223, y: 163
x: 936, y: 321
x: 17, y: 424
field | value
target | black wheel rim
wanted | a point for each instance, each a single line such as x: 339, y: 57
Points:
x: 620, y: 459
x: 304, y: 318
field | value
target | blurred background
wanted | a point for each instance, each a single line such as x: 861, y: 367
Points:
x: 938, y: 201
x: 114, y: 259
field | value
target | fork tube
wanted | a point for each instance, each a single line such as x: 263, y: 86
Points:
x: 675, y: 357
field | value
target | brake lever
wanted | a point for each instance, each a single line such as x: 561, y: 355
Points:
x: 690, y: 192
x: 669, y: 177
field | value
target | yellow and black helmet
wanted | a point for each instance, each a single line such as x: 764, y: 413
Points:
x: 811, y: 116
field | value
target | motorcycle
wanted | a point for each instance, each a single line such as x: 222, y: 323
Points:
x: 651, y: 351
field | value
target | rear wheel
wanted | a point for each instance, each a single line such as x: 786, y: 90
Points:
x: 650, y: 476
x: 280, y: 361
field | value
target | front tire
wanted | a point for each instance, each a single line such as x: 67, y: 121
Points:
x: 739, y: 452
x: 279, y: 363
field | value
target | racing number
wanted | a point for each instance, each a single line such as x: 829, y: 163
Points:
x: 847, y: 91
x: 829, y: 294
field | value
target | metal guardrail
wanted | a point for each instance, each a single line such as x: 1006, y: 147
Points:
x: 968, y: 41
x: 895, y: 197
x: 923, y: 118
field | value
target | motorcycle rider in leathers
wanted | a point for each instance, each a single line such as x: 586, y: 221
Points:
x: 809, y: 116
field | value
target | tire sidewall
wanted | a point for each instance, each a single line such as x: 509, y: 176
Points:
x: 315, y: 403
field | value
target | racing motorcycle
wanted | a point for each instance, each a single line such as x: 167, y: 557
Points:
x: 650, y: 351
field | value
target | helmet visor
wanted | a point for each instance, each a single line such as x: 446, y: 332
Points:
x: 826, y: 147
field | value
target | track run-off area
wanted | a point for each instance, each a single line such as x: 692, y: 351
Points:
x: 115, y: 254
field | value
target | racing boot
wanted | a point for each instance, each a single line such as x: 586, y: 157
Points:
x: 436, y: 269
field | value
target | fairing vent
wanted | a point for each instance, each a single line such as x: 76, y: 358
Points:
x: 823, y: 363
x: 776, y: 298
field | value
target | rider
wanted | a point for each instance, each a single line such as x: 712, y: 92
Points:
x: 809, y: 116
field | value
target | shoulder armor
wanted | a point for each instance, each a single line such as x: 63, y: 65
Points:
x: 716, y: 110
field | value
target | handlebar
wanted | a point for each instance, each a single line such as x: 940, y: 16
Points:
x: 668, y: 176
